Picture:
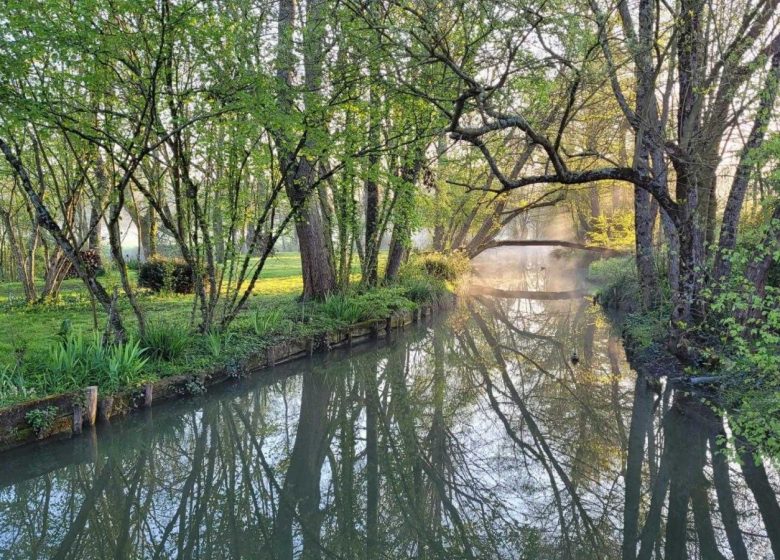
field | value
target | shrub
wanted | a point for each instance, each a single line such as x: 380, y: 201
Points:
x: 160, y: 274
x: 424, y: 278
x: 381, y: 302
x: 421, y: 289
x: 443, y: 266
x: 164, y: 341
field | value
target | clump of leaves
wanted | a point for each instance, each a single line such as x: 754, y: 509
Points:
x: 343, y: 309
x: 619, y: 283
x: 78, y: 360
x: 166, y: 275
x: 13, y: 386
x: 613, y: 232
x: 421, y: 289
x: 216, y: 342
x: 265, y: 322
x: 41, y: 420
x: 164, y: 341
x: 125, y: 363
x: 194, y: 387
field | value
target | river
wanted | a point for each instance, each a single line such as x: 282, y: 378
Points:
x: 509, y: 427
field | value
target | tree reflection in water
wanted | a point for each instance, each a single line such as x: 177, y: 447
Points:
x: 472, y: 437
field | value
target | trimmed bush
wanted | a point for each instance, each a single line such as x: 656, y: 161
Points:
x: 171, y: 275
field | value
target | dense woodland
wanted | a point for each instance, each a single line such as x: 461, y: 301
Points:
x: 219, y: 131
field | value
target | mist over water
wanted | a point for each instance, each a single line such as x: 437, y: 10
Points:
x: 475, y: 435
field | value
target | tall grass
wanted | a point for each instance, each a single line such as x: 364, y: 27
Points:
x: 13, y: 386
x: 217, y: 342
x: 165, y: 341
x: 124, y: 364
x: 267, y: 322
x: 79, y: 360
x: 344, y: 309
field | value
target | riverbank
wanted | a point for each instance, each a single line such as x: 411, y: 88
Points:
x: 728, y: 367
x: 70, y: 379
x: 67, y: 414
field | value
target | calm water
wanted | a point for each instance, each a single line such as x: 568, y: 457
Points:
x: 474, y: 436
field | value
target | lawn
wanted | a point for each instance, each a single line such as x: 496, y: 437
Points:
x: 32, y: 328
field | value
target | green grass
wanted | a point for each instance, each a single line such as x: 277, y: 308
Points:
x: 50, y: 348
x: 30, y: 328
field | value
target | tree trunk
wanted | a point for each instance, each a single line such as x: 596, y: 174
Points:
x: 373, y: 236
x: 401, y: 239
x: 644, y: 222
x: 319, y: 271
x: 733, y: 210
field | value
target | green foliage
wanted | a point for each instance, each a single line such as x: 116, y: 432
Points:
x: 344, y: 309
x: 381, y: 302
x: 13, y: 386
x: 613, y: 232
x: 448, y: 267
x: 618, y: 290
x: 165, y: 341
x: 41, y: 420
x: 125, y: 364
x: 79, y: 360
x: 265, y: 322
x: 216, y: 342
x: 421, y: 289
x: 424, y: 278
x: 35, y: 363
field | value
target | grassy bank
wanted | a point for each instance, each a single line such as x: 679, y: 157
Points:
x: 53, y: 348
x: 738, y: 358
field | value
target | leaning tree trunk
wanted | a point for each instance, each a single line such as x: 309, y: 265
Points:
x: 733, y: 210
x: 46, y: 221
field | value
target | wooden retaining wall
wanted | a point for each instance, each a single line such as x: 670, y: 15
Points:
x: 83, y: 408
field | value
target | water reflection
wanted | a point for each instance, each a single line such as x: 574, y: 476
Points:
x: 471, y: 437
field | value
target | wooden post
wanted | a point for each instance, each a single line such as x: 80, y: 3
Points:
x: 78, y: 418
x: 90, y: 404
x: 310, y: 346
x: 270, y: 356
x: 148, y: 388
x: 349, y: 338
x: 105, y: 407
